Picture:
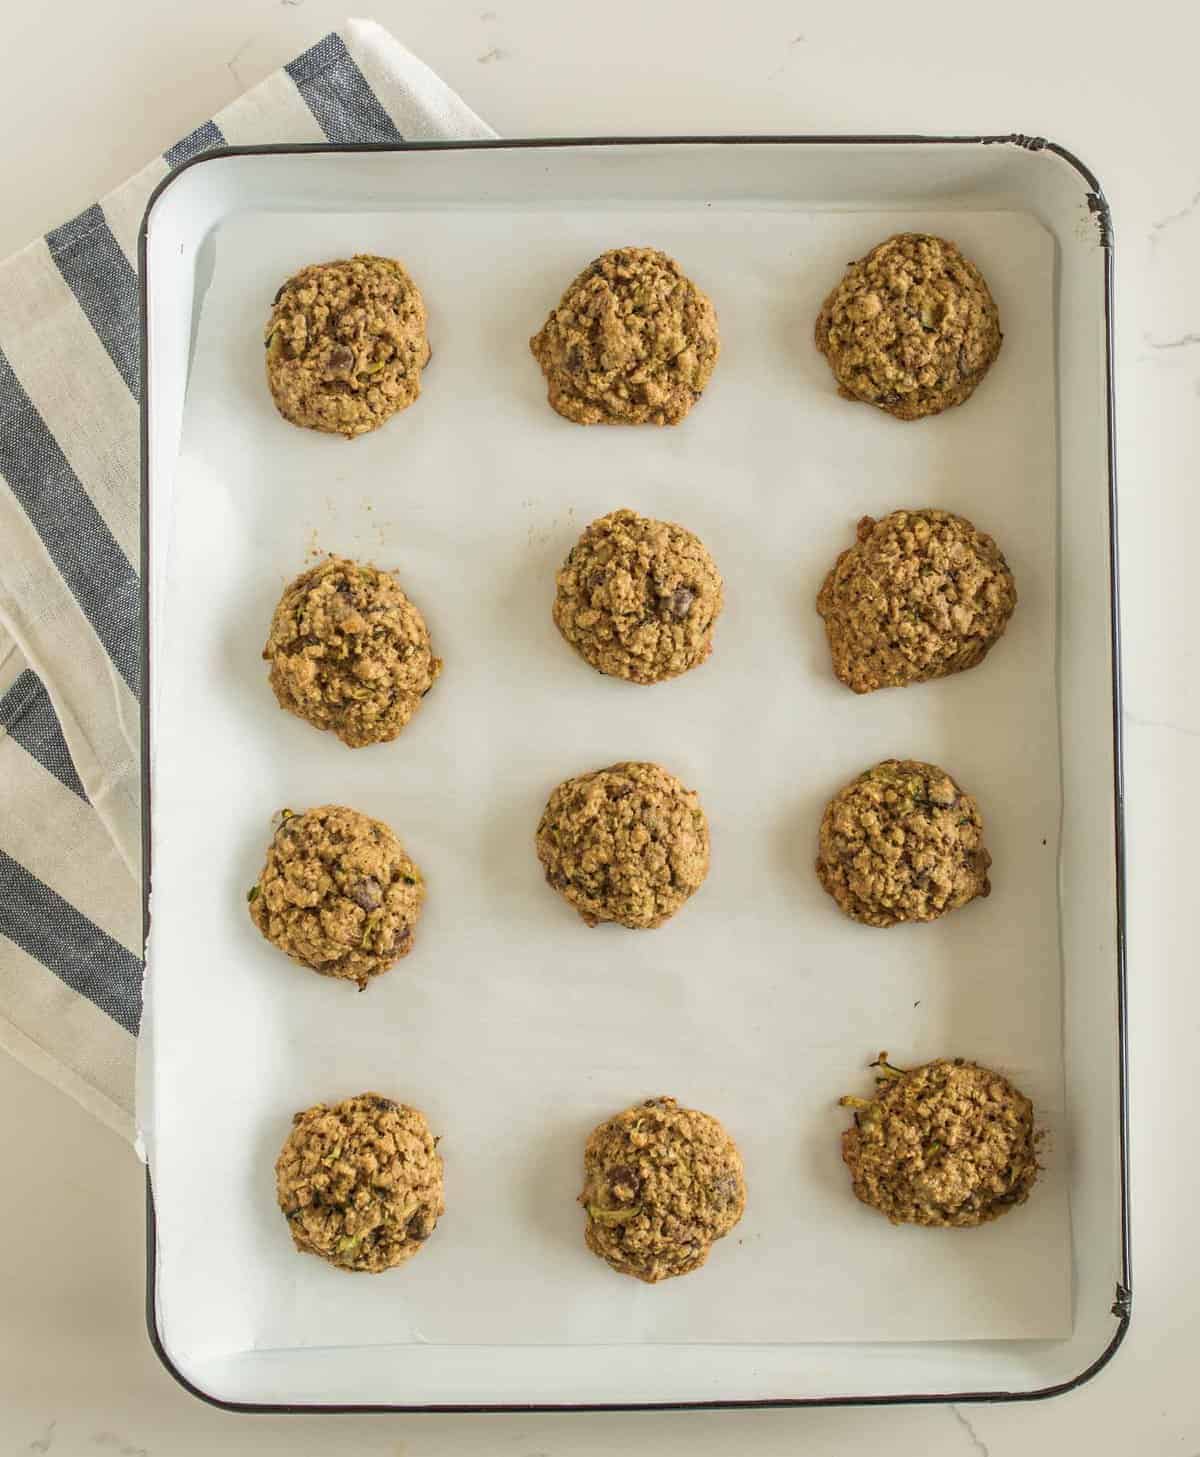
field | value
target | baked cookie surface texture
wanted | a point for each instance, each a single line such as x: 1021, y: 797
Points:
x: 360, y: 1182
x: 949, y: 1143
x: 346, y: 344
x: 661, y: 1185
x: 902, y: 842
x: 627, y: 844
x: 338, y: 893
x: 912, y: 328
x: 638, y: 598
x: 349, y: 652
x: 632, y: 341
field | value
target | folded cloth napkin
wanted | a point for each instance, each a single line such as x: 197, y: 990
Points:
x: 70, y: 675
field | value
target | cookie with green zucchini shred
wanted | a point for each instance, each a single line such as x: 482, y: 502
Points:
x: 350, y: 652
x: 360, y: 1182
x: 346, y: 344
x: 661, y: 1185
x: 920, y: 595
x: 912, y: 328
x: 902, y: 842
x: 632, y: 341
x: 950, y: 1143
x: 338, y: 893
x: 638, y: 598
x: 627, y: 844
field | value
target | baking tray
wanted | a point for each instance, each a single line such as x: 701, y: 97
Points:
x: 510, y: 1312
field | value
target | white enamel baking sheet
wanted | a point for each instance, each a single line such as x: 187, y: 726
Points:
x: 512, y: 1025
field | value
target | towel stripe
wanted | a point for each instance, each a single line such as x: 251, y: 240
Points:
x: 28, y: 716
x: 76, y: 950
x: 105, y: 287
x: 336, y: 91
x: 73, y: 532
x: 70, y: 926
x: 203, y: 139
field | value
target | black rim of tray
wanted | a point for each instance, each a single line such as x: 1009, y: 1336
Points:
x: 1099, y: 209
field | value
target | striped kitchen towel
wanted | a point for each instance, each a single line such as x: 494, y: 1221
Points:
x: 70, y: 675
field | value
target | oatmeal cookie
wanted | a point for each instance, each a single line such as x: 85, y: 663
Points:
x: 346, y: 345
x: 902, y: 842
x: 949, y: 1143
x: 349, y: 652
x: 633, y: 341
x: 661, y: 1184
x: 638, y: 598
x: 912, y: 327
x: 360, y: 1183
x: 920, y: 595
x: 338, y: 893
x: 626, y: 844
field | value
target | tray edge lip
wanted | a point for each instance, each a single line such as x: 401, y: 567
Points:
x: 1100, y: 210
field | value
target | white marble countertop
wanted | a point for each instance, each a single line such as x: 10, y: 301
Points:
x: 94, y: 87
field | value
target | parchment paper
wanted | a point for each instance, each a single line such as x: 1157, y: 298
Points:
x: 512, y: 1025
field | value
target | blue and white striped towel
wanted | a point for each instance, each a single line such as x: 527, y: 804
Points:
x: 70, y: 677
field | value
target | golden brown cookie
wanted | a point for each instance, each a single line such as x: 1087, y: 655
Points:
x: 626, y: 844
x: 661, y: 1184
x: 949, y: 1143
x: 911, y: 328
x: 902, y: 842
x: 360, y: 1183
x: 638, y: 598
x: 349, y: 652
x: 346, y: 345
x: 920, y: 595
x: 338, y: 893
x: 633, y: 341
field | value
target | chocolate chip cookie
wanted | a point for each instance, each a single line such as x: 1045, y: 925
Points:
x: 338, y: 893
x: 949, y: 1143
x: 902, y: 842
x: 349, y: 652
x: 346, y: 344
x: 920, y: 595
x: 633, y: 341
x: 912, y: 328
x: 626, y: 844
x: 661, y: 1185
x: 638, y: 598
x: 360, y: 1183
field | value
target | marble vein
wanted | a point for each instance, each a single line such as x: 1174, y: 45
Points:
x: 1184, y: 341
x: 1137, y: 721
x: 1176, y: 217
x: 973, y: 1436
